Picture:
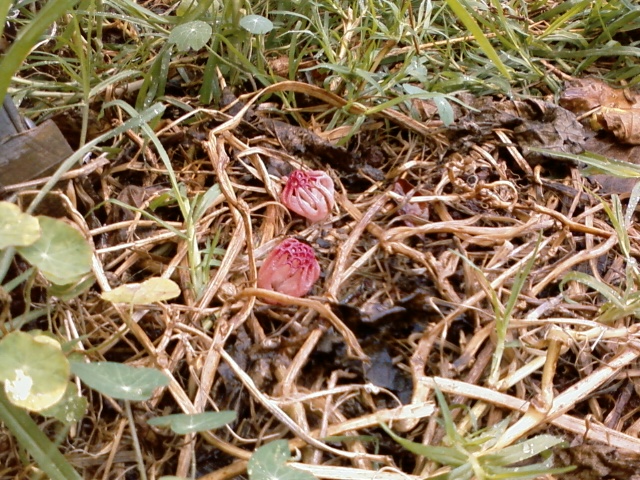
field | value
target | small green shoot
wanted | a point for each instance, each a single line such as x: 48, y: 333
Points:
x: 270, y: 462
x: 624, y: 300
x: 183, y: 424
x: 502, y: 312
x: 473, y: 456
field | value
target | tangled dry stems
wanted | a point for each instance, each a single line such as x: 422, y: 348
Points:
x: 223, y: 348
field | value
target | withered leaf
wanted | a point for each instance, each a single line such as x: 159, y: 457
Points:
x: 406, y: 190
x: 623, y: 123
x: 616, y: 111
x: 585, y: 94
x: 534, y: 123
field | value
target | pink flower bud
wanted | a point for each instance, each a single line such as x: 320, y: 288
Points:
x: 309, y: 194
x: 290, y: 268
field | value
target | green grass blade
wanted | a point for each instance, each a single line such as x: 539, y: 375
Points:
x: 31, y: 438
x: 459, y: 9
x: 522, y: 451
x: 135, y: 122
x: 5, y: 6
x: 634, y: 198
x: 602, y: 288
x: 184, y: 209
x: 27, y: 38
x: 518, y: 282
x: 616, y: 218
x: 597, y: 163
x: 447, y: 419
x: 442, y: 455
x: 111, y: 80
x: 144, y: 213
x: 563, y: 19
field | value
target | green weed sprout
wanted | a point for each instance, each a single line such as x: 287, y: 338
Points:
x: 502, y: 312
x: 624, y: 300
x: 474, y: 457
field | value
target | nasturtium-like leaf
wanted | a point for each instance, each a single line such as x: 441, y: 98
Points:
x: 256, y: 24
x: 70, y: 409
x: 193, y: 35
x: 61, y: 253
x: 152, y: 290
x: 200, y: 422
x: 269, y: 462
x: 120, y: 381
x: 17, y: 229
x: 35, y: 371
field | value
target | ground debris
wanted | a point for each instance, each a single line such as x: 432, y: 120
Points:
x: 418, y: 256
x: 597, y: 462
x: 533, y: 123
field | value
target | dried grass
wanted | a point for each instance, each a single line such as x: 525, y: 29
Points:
x: 296, y: 371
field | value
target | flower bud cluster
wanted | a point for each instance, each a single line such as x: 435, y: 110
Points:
x: 292, y: 268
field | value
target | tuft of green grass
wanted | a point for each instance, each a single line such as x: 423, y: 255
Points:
x: 621, y: 300
x: 502, y: 312
x: 474, y: 457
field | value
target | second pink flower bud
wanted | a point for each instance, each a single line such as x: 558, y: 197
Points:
x: 309, y: 194
x: 291, y: 268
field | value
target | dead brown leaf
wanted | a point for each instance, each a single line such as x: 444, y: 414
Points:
x: 585, y: 94
x: 623, y: 123
x: 616, y: 111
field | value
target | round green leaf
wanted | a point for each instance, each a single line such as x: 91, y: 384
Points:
x: 34, y: 370
x: 151, y: 290
x: 120, y: 381
x: 256, y: 24
x: 199, y: 422
x: 193, y: 35
x: 17, y: 229
x: 61, y: 253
